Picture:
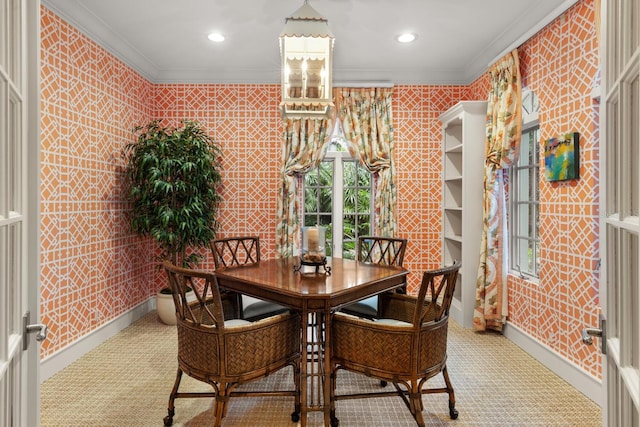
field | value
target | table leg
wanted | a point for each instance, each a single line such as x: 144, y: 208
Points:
x: 303, y: 368
x: 315, y: 371
x: 326, y: 378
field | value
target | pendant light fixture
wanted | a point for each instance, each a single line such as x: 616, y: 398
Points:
x: 306, y: 48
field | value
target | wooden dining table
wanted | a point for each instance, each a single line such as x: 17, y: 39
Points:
x: 316, y: 294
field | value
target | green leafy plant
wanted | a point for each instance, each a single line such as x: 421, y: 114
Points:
x: 172, y: 178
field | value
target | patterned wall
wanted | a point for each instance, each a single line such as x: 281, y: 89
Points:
x: 418, y: 154
x: 90, y: 102
x: 91, y: 269
x: 245, y: 121
x: 560, y: 64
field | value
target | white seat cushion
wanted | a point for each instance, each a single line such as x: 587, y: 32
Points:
x: 392, y: 322
x: 235, y: 322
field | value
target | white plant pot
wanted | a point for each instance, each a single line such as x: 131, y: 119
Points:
x: 167, y: 309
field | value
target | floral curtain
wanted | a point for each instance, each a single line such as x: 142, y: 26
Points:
x: 305, y: 142
x: 365, y: 115
x: 502, y: 146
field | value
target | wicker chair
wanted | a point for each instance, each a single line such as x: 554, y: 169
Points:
x: 405, y: 348
x: 376, y: 250
x: 238, y: 251
x: 228, y: 353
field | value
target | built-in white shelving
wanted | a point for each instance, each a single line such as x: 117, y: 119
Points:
x: 463, y: 174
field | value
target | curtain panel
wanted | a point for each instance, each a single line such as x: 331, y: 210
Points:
x: 304, y: 144
x: 502, y: 145
x: 366, y: 118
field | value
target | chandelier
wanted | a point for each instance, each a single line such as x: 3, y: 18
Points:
x: 306, y: 48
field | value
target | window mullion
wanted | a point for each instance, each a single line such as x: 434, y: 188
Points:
x: 347, y: 176
x: 338, y: 207
x: 523, y: 200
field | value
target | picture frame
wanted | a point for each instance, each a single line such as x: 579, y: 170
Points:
x: 561, y: 157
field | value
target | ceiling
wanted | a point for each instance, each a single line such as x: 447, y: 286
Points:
x: 166, y: 40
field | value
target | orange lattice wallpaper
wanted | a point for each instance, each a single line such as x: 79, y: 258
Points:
x: 90, y: 263
x: 93, y: 270
x: 560, y: 64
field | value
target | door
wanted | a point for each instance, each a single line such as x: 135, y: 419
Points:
x: 620, y: 211
x: 19, y: 177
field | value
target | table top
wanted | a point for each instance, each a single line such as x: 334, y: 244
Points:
x: 276, y: 280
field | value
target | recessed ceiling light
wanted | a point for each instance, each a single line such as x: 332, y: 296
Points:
x: 406, y: 37
x: 216, y: 37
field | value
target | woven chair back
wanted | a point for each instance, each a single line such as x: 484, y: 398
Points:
x: 406, y: 346
x: 236, y: 251
x: 422, y: 347
x: 381, y: 250
x: 436, y: 293
x: 225, y: 356
x: 200, y: 322
x: 207, y: 309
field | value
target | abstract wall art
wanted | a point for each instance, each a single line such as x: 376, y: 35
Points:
x: 561, y: 157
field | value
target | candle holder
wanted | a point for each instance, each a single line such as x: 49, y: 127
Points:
x: 313, y: 249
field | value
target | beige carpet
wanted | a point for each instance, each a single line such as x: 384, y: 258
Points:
x: 126, y: 382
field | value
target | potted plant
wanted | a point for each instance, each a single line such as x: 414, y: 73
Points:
x: 172, y: 180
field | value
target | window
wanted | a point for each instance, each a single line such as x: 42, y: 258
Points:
x: 338, y: 194
x: 524, y: 194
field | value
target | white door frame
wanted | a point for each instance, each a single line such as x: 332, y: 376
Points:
x: 31, y: 396
x: 19, y: 210
x: 620, y: 211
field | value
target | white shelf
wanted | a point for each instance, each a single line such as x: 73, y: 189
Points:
x: 454, y: 149
x: 453, y: 165
x: 452, y: 222
x: 463, y: 176
x: 453, y: 193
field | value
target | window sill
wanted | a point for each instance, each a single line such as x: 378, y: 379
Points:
x: 514, y: 275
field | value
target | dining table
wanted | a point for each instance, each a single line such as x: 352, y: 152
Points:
x: 316, y: 292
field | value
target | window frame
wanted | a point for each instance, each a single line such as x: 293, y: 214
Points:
x: 338, y: 160
x: 530, y: 125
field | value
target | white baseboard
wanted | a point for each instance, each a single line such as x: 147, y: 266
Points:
x: 558, y: 364
x: 59, y: 360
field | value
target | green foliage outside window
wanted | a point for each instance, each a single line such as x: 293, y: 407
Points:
x: 318, y: 203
